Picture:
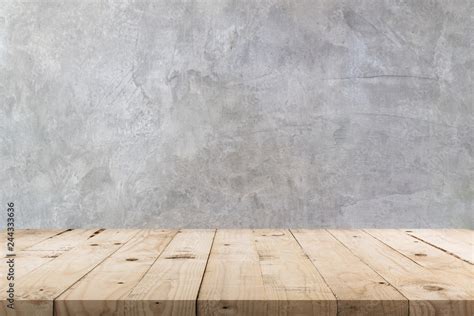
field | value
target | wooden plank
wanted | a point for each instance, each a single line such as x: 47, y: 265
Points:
x: 38, y: 254
x: 36, y: 233
x: 115, y: 277
x: 35, y: 292
x: 26, y: 261
x: 25, y: 238
x: 171, y: 285
x: 292, y: 284
x: 467, y: 232
x: 358, y: 288
x: 440, y: 262
x: 65, y: 241
x: 428, y: 293
x: 233, y: 282
x: 459, y: 243
x: 262, y: 272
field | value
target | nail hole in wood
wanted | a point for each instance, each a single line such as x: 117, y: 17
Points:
x: 181, y: 256
x: 119, y: 282
x: 157, y: 303
x: 117, y: 243
x: 94, y: 245
x: 52, y: 256
x: 264, y: 257
x: 433, y: 288
x: 226, y: 244
x: 131, y: 259
x: 420, y: 254
x: 96, y: 232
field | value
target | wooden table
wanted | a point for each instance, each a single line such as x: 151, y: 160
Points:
x: 241, y: 272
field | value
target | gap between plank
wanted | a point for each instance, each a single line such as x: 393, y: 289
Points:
x: 151, y: 265
x: 204, y: 273
x: 392, y: 248
x: 319, y: 272
x: 259, y: 263
x: 41, y: 240
x: 363, y: 261
x: 62, y: 252
x: 60, y: 233
x: 437, y: 247
x: 54, y: 299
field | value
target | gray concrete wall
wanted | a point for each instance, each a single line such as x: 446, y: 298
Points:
x: 237, y: 113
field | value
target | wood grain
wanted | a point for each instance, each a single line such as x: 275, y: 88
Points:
x: 35, y: 292
x: 458, y: 242
x: 65, y: 241
x: 436, y: 260
x: 242, y: 272
x: 115, y: 277
x: 37, y: 254
x: 171, y: 285
x: 291, y: 281
x: 25, y: 238
x: 428, y: 293
x: 358, y: 288
x: 233, y: 282
x: 262, y: 272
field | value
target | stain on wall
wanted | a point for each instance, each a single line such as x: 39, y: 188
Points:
x: 237, y: 113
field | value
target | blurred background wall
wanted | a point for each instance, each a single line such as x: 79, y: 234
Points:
x: 237, y: 113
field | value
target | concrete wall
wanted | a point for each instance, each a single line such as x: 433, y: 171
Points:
x: 237, y: 113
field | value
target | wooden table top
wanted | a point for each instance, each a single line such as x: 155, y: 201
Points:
x: 241, y: 272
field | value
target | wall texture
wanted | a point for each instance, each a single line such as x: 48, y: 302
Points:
x: 237, y: 113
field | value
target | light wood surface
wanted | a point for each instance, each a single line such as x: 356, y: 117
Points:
x: 262, y: 272
x: 429, y: 293
x: 436, y: 260
x: 291, y: 281
x: 358, y: 288
x: 241, y: 272
x: 35, y: 291
x: 171, y: 285
x: 34, y: 254
x: 25, y: 238
x: 458, y: 242
x: 233, y: 281
x: 115, y: 277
